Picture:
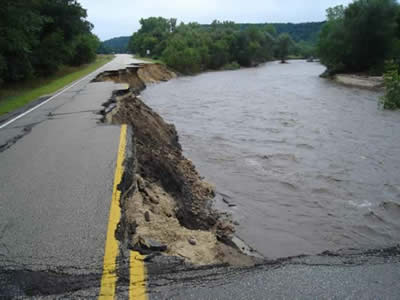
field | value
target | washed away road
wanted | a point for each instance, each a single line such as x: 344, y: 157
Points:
x: 59, y: 168
x: 56, y: 185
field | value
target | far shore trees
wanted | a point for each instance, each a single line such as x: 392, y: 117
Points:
x: 192, y: 48
x: 283, y: 44
x: 360, y: 37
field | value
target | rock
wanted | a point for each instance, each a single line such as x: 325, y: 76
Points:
x: 147, y: 216
x: 154, y: 200
x: 236, y: 223
x: 140, y: 183
x: 146, y: 246
x: 192, y: 241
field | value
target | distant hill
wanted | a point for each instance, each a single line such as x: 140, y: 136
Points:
x: 115, y: 45
x: 307, y: 32
x: 301, y: 31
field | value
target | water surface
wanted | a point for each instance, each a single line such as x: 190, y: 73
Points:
x: 310, y: 165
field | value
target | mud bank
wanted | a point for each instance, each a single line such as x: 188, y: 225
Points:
x: 367, y: 82
x: 166, y: 206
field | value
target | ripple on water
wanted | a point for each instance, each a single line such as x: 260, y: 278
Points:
x: 308, y: 159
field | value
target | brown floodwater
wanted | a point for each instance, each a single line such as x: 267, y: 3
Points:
x: 306, y: 165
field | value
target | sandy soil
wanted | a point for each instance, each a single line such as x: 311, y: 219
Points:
x: 368, y: 82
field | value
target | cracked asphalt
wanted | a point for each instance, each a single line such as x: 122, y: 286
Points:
x: 56, y: 175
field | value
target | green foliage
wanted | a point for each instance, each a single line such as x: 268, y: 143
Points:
x: 307, y: 32
x: 38, y: 36
x: 231, y: 66
x: 191, y: 48
x: 359, y: 37
x: 283, y: 44
x: 391, y: 99
x: 152, y: 36
x: 115, y: 45
x: 304, y: 50
x: 85, y: 49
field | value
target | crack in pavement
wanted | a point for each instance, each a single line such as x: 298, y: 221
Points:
x: 25, y: 131
x: 50, y: 114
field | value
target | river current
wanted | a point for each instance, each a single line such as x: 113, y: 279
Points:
x: 303, y: 164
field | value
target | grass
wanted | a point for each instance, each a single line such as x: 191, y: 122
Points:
x: 150, y: 60
x: 16, y: 95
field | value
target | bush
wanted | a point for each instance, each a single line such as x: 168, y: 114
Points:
x: 391, y: 99
x: 3, y: 69
x: 232, y: 66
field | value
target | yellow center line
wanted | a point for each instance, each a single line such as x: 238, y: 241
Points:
x: 137, y: 282
x: 109, y: 277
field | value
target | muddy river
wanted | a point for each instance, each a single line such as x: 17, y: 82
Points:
x: 303, y: 164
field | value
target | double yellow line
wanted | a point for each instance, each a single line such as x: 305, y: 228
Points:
x: 137, y: 276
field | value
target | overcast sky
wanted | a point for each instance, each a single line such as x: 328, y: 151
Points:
x: 113, y: 18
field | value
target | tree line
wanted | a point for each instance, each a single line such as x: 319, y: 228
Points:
x: 364, y: 37
x: 191, y: 48
x: 114, y: 45
x: 39, y: 36
x: 360, y: 37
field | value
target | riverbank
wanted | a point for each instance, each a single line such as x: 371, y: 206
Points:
x: 362, y: 81
x: 257, y: 140
x: 167, y: 207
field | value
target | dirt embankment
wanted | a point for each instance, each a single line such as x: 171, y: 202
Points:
x: 168, y: 207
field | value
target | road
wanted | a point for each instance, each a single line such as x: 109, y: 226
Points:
x: 375, y: 277
x: 58, y: 176
x: 56, y: 184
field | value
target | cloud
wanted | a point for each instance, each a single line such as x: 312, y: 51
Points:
x: 121, y: 17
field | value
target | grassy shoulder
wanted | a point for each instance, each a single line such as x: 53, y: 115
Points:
x: 17, y: 95
x: 150, y: 60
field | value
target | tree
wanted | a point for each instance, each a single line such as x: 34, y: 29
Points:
x: 38, y: 36
x: 284, y: 42
x: 391, y: 98
x: 191, y: 48
x: 85, y: 49
x: 360, y: 37
x: 20, y: 26
x: 152, y: 36
x: 219, y: 54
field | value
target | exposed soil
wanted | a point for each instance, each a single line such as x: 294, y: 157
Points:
x: 167, y: 202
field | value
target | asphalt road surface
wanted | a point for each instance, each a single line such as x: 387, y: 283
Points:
x: 56, y: 184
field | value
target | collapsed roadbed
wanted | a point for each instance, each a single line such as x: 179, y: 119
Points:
x: 166, y: 206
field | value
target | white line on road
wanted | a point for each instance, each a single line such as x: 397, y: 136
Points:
x: 51, y: 98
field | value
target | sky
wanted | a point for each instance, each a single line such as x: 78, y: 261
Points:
x: 114, y: 18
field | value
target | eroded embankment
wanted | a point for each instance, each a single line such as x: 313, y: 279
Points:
x: 167, y: 207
